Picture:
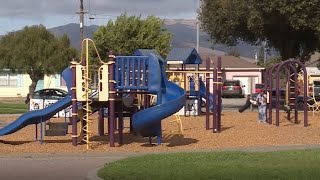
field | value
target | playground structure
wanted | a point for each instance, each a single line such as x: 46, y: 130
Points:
x: 192, y: 81
x: 291, y: 70
x: 313, y: 103
x: 121, y: 78
x: 127, y: 76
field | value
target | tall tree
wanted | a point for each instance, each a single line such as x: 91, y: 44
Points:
x: 35, y: 51
x: 291, y: 27
x: 129, y: 33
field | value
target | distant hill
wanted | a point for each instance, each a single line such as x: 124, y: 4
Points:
x: 73, y: 32
x: 186, y: 34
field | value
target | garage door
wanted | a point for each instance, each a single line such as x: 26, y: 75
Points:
x: 245, y: 82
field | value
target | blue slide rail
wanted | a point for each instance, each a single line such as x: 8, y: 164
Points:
x: 211, y: 97
x: 42, y: 115
x: 170, y: 99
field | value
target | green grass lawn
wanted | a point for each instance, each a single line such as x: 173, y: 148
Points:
x: 298, y: 164
x: 13, y: 107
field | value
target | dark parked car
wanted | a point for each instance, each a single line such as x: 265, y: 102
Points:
x: 231, y: 88
x: 282, y: 99
x: 48, y: 94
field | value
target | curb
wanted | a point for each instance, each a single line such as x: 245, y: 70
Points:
x: 93, y: 174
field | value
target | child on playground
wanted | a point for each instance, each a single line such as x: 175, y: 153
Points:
x: 262, y: 106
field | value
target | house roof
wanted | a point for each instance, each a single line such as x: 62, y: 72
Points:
x: 229, y: 62
x: 146, y: 52
x: 183, y: 56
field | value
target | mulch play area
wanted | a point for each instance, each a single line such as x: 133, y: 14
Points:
x: 238, y: 130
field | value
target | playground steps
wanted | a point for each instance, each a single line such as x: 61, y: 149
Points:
x: 56, y: 129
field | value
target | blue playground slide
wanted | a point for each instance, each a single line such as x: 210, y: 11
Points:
x: 35, y: 117
x: 148, y: 122
x: 203, y: 94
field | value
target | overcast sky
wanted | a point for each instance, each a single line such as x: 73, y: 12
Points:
x: 15, y: 14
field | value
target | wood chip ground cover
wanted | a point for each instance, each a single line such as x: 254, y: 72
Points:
x: 239, y: 130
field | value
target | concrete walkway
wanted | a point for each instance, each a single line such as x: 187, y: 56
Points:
x: 54, y: 166
x: 84, y: 165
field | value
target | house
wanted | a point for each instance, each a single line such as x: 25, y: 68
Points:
x: 17, y: 85
x: 233, y: 68
x: 312, y: 68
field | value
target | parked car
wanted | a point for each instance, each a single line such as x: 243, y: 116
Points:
x: 259, y: 88
x: 232, y: 88
x: 52, y: 93
x: 300, y: 99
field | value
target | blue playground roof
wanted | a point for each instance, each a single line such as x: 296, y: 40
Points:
x: 146, y: 52
x: 183, y: 56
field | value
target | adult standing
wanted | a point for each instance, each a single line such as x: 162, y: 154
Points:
x: 262, y: 106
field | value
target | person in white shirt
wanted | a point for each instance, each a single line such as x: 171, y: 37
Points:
x: 262, y: 106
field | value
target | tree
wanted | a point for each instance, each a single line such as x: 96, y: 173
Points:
x: 35, y: 51
x: 127, y: 34
x: 291, y: 27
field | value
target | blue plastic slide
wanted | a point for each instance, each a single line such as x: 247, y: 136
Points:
x: 35, y: 117
x: 203, y: 95
x: 148, y: 122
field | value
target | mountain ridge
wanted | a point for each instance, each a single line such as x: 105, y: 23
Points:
x: 184, y: 34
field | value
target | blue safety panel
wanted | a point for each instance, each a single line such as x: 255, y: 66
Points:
x: 131, y: 72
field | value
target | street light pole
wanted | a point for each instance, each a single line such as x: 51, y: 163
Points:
x: 198, y: 26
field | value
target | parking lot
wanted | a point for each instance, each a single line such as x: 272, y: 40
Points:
x: 233, y: 103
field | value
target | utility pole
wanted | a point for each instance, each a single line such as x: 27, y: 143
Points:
x: 256, y: 56
x: 265, y: 52
x: 81, y: 12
